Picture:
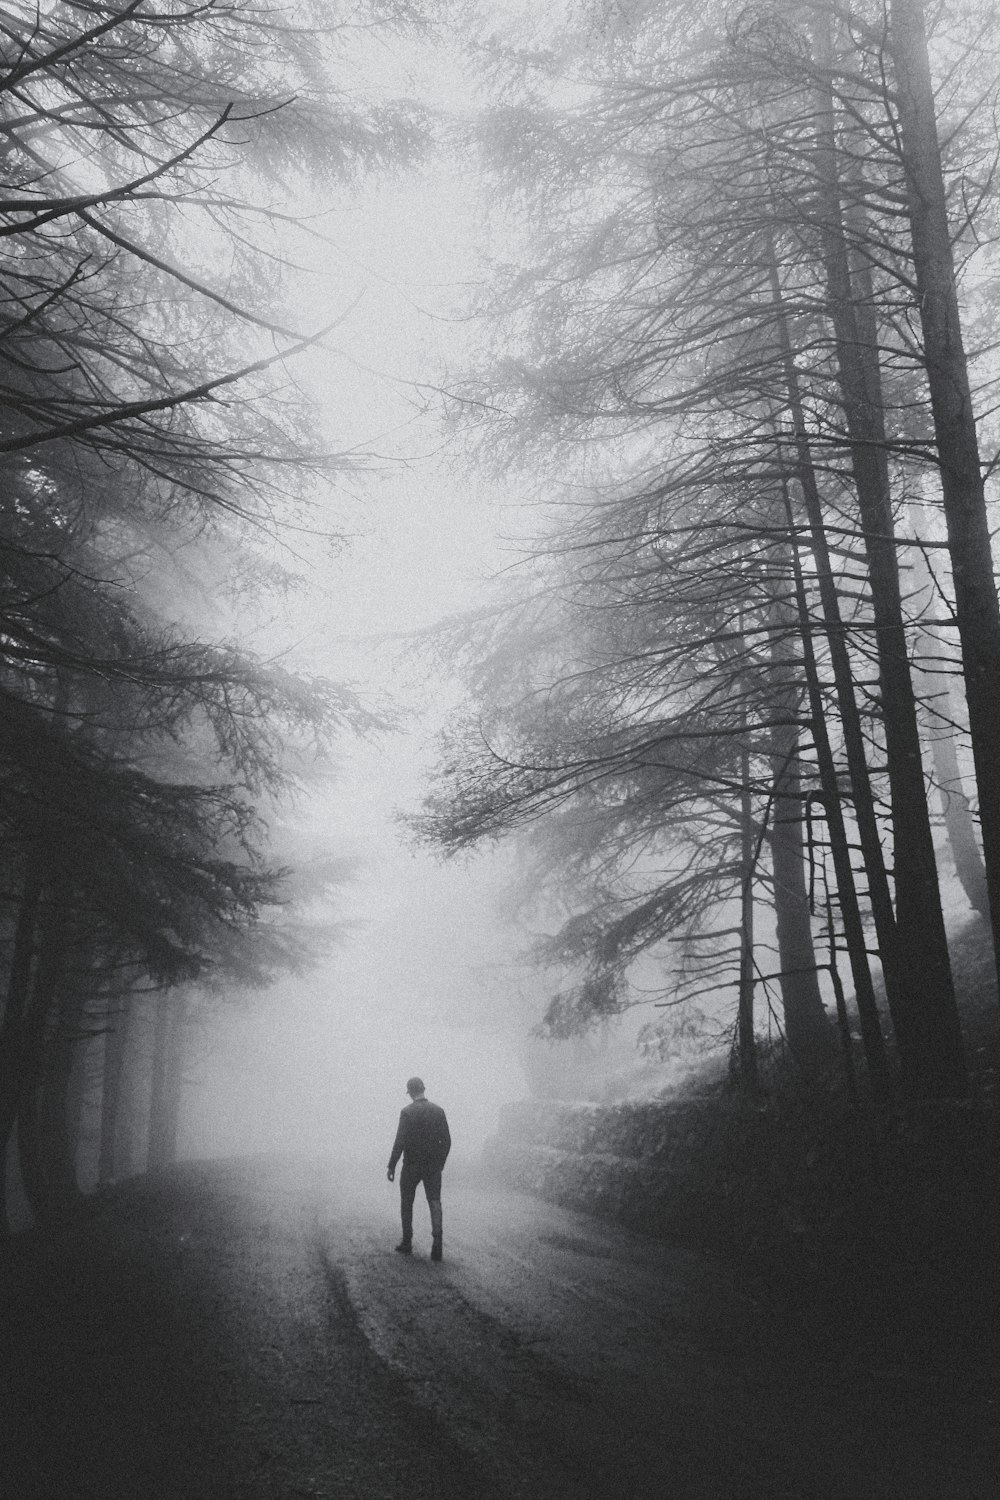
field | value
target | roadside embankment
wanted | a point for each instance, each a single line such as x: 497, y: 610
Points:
x: 898, y: 1223
x: 708, y: 1165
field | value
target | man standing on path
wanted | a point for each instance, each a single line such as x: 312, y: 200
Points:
x: 423, y: 1141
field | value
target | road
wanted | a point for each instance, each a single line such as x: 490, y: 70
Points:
x: 246, y: 1331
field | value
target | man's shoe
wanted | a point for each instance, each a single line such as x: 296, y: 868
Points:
x: 436, y: 1250
x: 404, y: 1248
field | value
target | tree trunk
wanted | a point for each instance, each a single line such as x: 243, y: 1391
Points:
x: 976, y: 606
x: 843, y: 1020
x: 38, y: 1189
x: 175, y: 1076
x: 959, y: 823
x: 942, y: 714
x: 158, y: 1085
x: 13, y: 1034
x: 850, y: 910
x: 864, y: 802
x: 806, y: 1025
x: 843, y: 676
x: 746, y: 1040
x: 136, y: 1086
x: 925, y: 1013
x: 115, y: 1043
x: 57, y: 1139
x: 807, y: 1028
x: 167, y: 1080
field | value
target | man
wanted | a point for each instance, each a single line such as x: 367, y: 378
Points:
x: 423, y: 1141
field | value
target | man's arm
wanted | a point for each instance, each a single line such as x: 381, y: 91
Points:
x: 445, y: 1138
x: 397, y: 1145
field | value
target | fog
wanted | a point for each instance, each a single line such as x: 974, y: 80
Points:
x: 558, y: 435
x: 425, y: 978
x: 424, y: 982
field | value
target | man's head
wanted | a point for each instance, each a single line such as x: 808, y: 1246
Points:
x: 415, y: 1088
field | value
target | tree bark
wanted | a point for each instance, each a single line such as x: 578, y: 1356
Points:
x: 864, y: 803
x: 976, y: 606
x: 925, y: 1012
x: 746, y: 1040
x: 942, y: 713
x: 175, y: 1076
x: 57, y: 1138
x: 115, y: 1043
x: 959, y: 823
x: 158, y: 1084
x: 13, y: 1035
x: 847, y: 895
x: 38, y: 1190
x: 843, y: 1020
x: 807, y: 1029
x: 167, y: 1080
x: 806, y: 1025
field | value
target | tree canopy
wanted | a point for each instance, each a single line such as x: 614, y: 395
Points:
x: 741, y: 350
x: 155, y: 160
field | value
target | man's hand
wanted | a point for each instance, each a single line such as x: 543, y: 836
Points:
x: 391, y: 1174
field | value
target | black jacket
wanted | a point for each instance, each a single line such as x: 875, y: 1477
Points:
x: 423, y: 1139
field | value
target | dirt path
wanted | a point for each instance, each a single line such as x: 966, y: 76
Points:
x: 553, y: 1345
x: 239, y: 1332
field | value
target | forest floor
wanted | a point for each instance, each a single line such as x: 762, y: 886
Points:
x: 245, y: 1330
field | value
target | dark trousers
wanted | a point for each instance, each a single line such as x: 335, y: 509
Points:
x: 409, y: 1180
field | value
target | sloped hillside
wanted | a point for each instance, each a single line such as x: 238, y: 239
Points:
x: 817, y: 1192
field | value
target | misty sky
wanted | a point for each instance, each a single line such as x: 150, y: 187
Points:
x: 428, y: 977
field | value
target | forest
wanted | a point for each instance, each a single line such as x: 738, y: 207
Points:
x: 742, y: 692
x: 152, y: 448
x: 498, y: 584
x: 735, y: 703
